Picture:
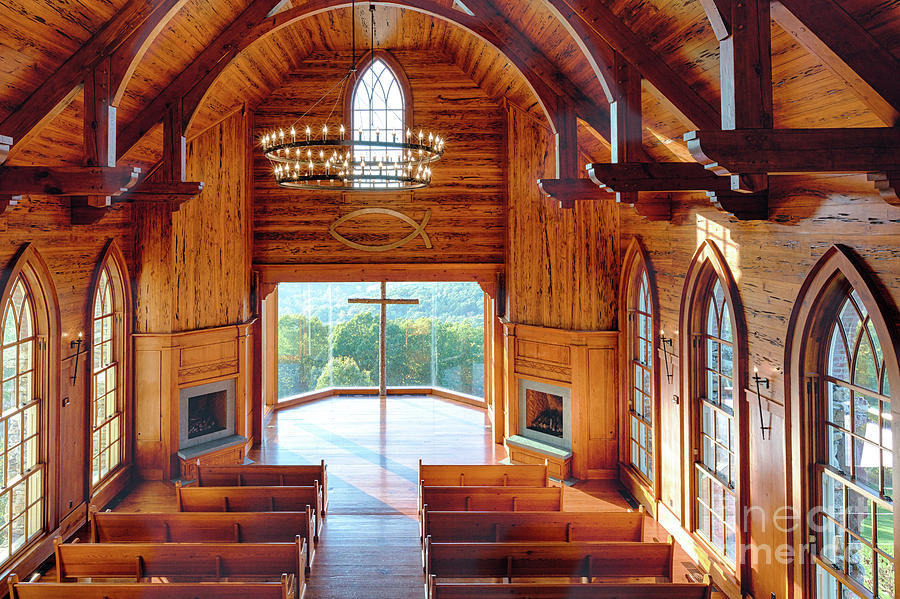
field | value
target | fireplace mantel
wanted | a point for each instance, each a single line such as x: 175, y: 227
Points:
x: 165, y: 364
x: 585, y: 363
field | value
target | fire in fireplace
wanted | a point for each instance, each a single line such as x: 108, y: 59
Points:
x: 207, y: 414
x: 544, y: 412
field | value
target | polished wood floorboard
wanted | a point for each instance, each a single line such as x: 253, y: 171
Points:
x: 370, y: 546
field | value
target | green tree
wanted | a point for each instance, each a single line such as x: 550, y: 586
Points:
x: 302, y: 353
x: 343, y: 371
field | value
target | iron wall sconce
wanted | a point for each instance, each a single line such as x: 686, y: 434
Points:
x: 76, y: 344
x: 666, y: 342
x: 764, y: 382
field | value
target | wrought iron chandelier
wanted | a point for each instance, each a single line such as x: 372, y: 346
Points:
x: 332, y: 158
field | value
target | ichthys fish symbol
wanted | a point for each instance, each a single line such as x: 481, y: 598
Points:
x: 418, y: 229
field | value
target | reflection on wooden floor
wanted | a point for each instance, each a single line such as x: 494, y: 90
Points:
x: 370, y: 546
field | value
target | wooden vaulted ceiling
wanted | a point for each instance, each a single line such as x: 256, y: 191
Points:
x: 39, y: 37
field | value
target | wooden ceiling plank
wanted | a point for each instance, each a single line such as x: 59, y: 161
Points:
x: 655, y: 176
x: 797, y: 151
x: 855, y: 46
x: 198, y: 71
x: 67, y: 180
x: 54, y: 94
x: 887, y: 113
x: 609, y: 27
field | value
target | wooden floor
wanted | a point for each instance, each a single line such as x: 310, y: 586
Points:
x: 370, y: 547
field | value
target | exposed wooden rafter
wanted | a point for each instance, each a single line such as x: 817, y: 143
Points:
x: 67, y: 180
x: 571, y: 190
x: 826, y: 29
x: 191, y: 85
x: 126, y: 37
x: 633, y: 177
x: 608, y: 28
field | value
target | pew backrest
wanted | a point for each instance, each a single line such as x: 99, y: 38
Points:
x: 266, y: 475
x: 496, y: 527
x: 525, y: 590
x: 499, y: 475
x: 210, y: 561
x: 203, y: 527
x: 492, y: 499
x: 579, y: 559
x: 201, y: 590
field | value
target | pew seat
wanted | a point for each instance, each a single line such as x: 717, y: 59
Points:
x: 660, y: 590
x: 490, y: 499
x: 252, y: 499
x: 266, y: 475
x: 204, y: 527
x: 490, y: 475
x: 201, y: 590
x: 183, y: 562
x: 533, y: 526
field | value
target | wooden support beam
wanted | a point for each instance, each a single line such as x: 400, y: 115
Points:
x: 744, y: 206
x: 718, y: 12
x: 571, y: 190
x: 655, y: 176
x: 99, y: 139
x: 54, y: 94
x: 8, y: 201
x: 888, y: 185
x: 790, y: 151
x: 845, y: 37
x: 5, y: 144
x: 803, y: 35
x: 609, y: 27
x: 566, y: 141
x: 67, y: 180
x: 173, y: 165
x: 163, y: 192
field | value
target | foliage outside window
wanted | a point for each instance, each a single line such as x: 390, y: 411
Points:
x: 325, y: 342
x: 21, y: 493
x: 378, y: 112
x: 641, y: 405
x: 854, y: 476
x: 106, y: 417
x: 716, y: 471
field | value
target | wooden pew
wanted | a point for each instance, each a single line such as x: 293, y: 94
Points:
x: 266, y: 475
x: 491, y: 499
x: 493, y: 527
x: 490, y: 475
x: 192, y: 561
x: 609, y: 561
x: 204, y: 527
x: 199, y: 590
x: 525, y: 590
x: 251, y: 499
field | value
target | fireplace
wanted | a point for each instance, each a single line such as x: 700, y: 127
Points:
x: 545, y: 413
x: 206, y: 413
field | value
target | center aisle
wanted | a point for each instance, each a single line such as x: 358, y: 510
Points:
x: 370, y: 545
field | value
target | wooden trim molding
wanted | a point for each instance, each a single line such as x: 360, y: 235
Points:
x: 707, y: 265
x: 272, y: 274
x: 636, y: 259
x: 838, y: 270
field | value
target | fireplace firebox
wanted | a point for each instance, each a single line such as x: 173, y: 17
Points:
x: 206, y: 413
x: 545, y: 413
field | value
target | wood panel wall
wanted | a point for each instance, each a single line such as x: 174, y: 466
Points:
x: 193, y: 265
x: 770, y: 261
x: 562, y: 265
x: 465, y: 198
x: 71, y: 253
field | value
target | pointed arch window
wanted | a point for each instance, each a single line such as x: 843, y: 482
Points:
x: 21, y: 470
x: 107, y: 394
x: 379, y: 107
x: 855, y: 467
x: 641, y: 412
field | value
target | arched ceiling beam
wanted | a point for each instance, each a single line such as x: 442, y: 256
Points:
x: 125, y: 38
x: 190, y: 86
x: 604, y: 27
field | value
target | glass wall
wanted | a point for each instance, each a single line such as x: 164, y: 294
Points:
x: 324, y: 341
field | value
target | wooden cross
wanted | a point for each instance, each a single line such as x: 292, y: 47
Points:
x: 384, y: 302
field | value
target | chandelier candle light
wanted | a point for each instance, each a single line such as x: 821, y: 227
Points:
x: 331, y: 158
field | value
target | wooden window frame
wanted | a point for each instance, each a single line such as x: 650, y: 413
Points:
x: 708, y: 265
x: 837, y: 272
x: 635, y: 263
x: 112, y: 261
x: 31, y: 268
x: 397, y: 69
